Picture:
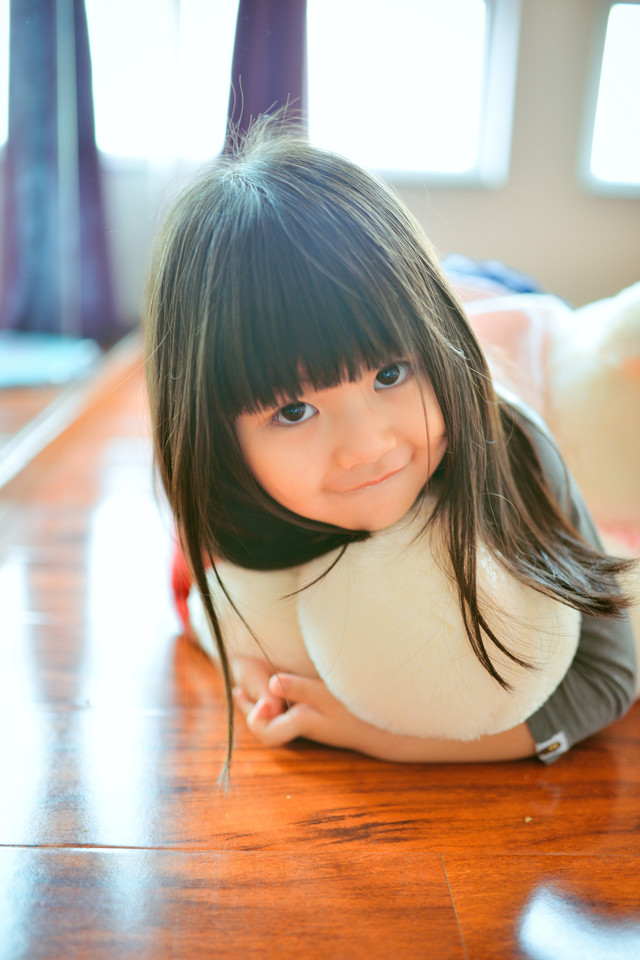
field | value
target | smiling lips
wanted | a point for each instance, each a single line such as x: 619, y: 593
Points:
x: 374, y: 483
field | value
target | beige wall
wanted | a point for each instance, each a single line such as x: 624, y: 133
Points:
x: 543, y: 221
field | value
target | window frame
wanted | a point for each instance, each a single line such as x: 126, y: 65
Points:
x: 503, y: 33
x: 586, y: 178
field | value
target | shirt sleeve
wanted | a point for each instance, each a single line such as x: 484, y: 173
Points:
x: 599, y: 686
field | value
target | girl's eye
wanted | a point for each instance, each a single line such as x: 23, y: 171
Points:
x: 294, y: 413
x: 392, y: 375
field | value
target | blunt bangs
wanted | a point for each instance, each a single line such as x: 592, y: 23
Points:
x: 297, y: 332
x: 309, y: 295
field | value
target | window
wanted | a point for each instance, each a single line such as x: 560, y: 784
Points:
x: 415, y: 87
x: 611, y: 151
x: 161, y: 74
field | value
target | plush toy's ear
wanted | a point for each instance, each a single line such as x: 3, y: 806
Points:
x: 594, y: 402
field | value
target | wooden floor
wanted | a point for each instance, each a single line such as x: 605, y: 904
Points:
x: 115, y: 842
x: 19, y: 407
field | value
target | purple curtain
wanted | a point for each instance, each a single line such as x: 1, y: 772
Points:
x: 269, y: 60
x: 56, y: 276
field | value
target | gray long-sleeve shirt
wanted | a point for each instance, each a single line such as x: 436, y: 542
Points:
x: 599, y: 686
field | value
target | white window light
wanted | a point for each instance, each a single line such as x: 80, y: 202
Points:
x: 610, y: 154
x: 419, y: 88
x: 133, y: 63
x: 161, y: 86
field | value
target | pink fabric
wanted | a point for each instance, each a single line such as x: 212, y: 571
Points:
x: 515, y: 333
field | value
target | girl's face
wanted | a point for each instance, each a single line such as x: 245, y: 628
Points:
x: 356, y: 455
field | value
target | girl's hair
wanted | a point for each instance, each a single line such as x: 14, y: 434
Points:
x: 288, y: 265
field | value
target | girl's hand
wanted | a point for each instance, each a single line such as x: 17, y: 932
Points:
x: 313, y: 712
x: 251, y: 692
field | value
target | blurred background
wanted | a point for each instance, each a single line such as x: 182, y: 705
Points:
x: 510, y: 127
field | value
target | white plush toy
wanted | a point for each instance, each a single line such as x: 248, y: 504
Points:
x: 581, y: 370
x: 405, y: 666
x: 593, y: 376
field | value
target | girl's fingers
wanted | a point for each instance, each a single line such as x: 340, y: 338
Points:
x: 276, y: 731
x: 252, y: 675
x: 297, y: 689
x: 242, y: 700
x: 305, y: 698
x: 265, y: 707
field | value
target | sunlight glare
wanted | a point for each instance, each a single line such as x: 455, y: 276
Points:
x: 615, y: 155
x: 132, y: 54
x: 401, y: 91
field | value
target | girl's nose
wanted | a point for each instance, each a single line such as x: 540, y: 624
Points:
x: 363, y: 437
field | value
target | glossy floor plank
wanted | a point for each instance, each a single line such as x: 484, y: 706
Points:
x: 19, y: 406
x: 115, y: 838
x: 135, y: 777
x: 217, y: 905
x: 574, y: 908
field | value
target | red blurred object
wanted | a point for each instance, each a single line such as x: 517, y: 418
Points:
x: 181, y: 581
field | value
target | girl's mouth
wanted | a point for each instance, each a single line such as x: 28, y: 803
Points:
x: 374, y: 483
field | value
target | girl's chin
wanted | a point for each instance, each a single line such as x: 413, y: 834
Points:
x: 374, y: 520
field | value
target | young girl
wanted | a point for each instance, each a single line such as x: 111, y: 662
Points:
x: 330, y: 439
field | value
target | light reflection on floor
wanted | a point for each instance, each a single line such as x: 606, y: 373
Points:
x: 127, y: 563
x: 21, y: 756
x: 127, y: 601
x: 555, y: 926
x: 15, y: 660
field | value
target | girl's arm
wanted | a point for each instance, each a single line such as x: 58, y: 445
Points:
x: 315, y: 713
x: 600, y: 685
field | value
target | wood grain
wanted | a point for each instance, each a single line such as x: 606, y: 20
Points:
x: 164, y: 903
